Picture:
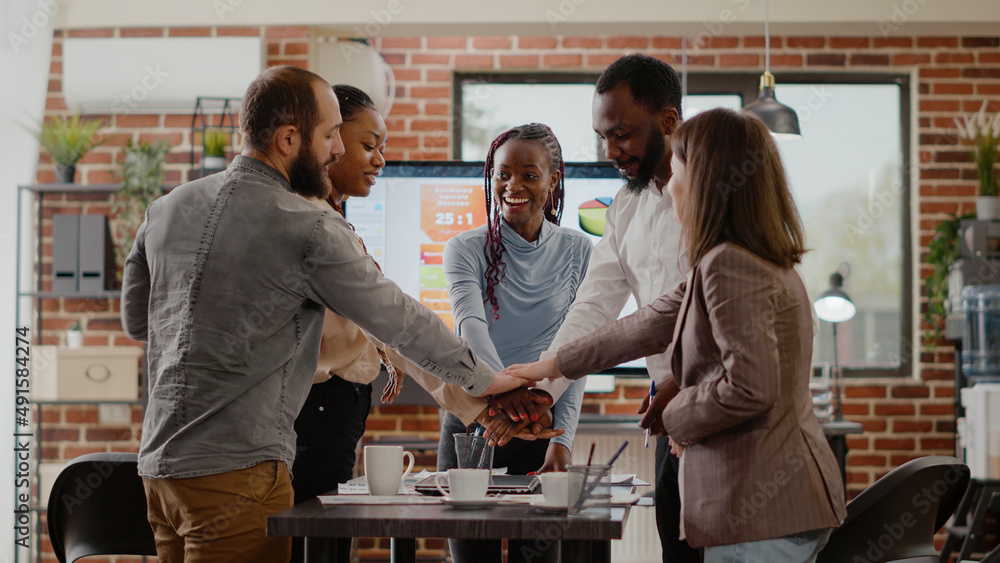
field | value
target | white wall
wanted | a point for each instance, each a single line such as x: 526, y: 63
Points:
x: 25, y: 51
x: 533, y: 17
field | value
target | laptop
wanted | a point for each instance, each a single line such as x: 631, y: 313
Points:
x: 499, y: 484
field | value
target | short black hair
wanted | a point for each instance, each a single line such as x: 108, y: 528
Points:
x: 653, y: 83
x: 352, y: 100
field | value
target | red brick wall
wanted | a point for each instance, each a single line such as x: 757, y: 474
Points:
x: 902, y: 418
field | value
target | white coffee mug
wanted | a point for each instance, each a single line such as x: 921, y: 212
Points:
x: 465, y: 484
x: 384, y: 469
x: 555, y: 488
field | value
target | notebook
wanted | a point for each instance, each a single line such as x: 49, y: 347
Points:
x: 499, y: 484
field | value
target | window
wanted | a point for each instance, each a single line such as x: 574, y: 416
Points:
x: 848, y: 173
x: 489, y: 108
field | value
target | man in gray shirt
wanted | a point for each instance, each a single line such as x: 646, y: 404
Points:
x: 227, y: 282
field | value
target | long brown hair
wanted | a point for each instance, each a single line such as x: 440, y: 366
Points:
x: 737, y: 191
x: 494, y: 247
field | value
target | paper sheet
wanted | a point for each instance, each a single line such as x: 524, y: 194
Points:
x: 359, y: 485
x: 369, y: 499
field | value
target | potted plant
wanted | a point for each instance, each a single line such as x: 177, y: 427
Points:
x: 983, y: 133
x: 142, y: 183
x: 214, y: 156
x: 942, y: 251
x: 74, y: 335
x: 67, y: 140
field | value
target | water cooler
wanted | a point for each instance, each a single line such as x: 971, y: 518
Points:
x: 975, y: 301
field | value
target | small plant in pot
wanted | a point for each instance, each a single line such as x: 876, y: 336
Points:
x: 984, y: 134
x: 74, y: 336
x: 67, y: 141
x: 214, y: 157
x: 142, y: 183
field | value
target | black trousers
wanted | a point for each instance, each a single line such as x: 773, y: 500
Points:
x: 520, y: 457
x: 668, y: 508
x: 328, y: 427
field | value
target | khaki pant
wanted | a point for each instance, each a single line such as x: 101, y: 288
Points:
x: 219, y: 518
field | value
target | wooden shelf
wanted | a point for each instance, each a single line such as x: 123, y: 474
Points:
x: 109, y: 294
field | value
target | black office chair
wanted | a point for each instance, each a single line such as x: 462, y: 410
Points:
x: 895, y: 519
x: 97, y: 506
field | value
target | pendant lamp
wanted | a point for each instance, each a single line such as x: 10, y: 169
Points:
x: 779, y: 118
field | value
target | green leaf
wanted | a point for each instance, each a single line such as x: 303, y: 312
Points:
x: 68, y: 140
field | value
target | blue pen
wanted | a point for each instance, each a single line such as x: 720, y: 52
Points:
x: 652, y: 392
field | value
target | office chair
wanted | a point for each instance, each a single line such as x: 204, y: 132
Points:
x: 98, y: 507
x: 896, y: 517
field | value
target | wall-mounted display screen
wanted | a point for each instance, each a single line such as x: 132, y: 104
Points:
x: 415, y: 207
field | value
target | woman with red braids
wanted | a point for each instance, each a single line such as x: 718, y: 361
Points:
x: 511, y: 283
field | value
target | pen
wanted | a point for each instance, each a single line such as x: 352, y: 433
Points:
x: 652, y: 392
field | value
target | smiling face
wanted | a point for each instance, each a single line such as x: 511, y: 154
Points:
x: 523, y: 179
x: 634, y: 139
x: 355, y: 171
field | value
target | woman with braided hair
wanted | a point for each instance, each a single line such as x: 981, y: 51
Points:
x: 510, y: 283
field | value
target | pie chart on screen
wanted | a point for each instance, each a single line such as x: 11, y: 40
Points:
x: 592, y: 215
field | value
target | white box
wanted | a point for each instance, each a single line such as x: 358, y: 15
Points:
x: 982, y: 414
x: 47, y: 473
x: 91, y: 373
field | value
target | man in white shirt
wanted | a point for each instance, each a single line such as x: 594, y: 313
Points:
x: 636, y: 107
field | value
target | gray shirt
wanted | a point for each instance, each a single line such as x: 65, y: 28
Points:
x: 228, y: 282
x: 537, y: 289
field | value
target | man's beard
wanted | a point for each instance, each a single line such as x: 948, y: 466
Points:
x: 307, y: 175
x: 655, y: 152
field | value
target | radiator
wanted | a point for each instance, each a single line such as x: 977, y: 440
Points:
x: 640, y: 543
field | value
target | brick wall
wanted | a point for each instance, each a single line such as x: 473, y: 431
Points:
x: 903, y: 419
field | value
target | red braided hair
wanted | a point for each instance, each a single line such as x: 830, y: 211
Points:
x: 494, y: 247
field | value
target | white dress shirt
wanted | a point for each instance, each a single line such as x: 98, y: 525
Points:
x: 639, y: 255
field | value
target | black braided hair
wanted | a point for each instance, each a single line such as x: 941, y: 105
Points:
x: 351, y: 100
x: 494, y: 247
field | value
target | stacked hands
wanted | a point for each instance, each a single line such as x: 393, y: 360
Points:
x: 516, y: 411
x: 651, y: 408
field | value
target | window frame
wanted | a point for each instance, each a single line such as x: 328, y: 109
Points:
x: 746, y: 85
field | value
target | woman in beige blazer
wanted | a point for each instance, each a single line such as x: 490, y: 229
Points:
x: 758, y: 480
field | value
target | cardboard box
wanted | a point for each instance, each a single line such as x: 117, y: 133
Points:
x: 91, y: 373
x: 47, y: 473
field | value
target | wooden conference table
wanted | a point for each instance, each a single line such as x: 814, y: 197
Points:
x: 583, y: 540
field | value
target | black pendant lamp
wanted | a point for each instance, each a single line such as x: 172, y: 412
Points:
x: 779, y: 118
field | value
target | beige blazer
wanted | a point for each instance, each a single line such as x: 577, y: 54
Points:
x: 352, y: 354
x: 756, y: 464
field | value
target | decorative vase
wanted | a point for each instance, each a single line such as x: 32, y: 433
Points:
x: 214, y: 163
x: 65, y: 174
x: 987, y: 207
x: 74, y: 339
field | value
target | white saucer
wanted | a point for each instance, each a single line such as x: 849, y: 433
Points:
x: 473, y: 503
x: 540, y: 504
